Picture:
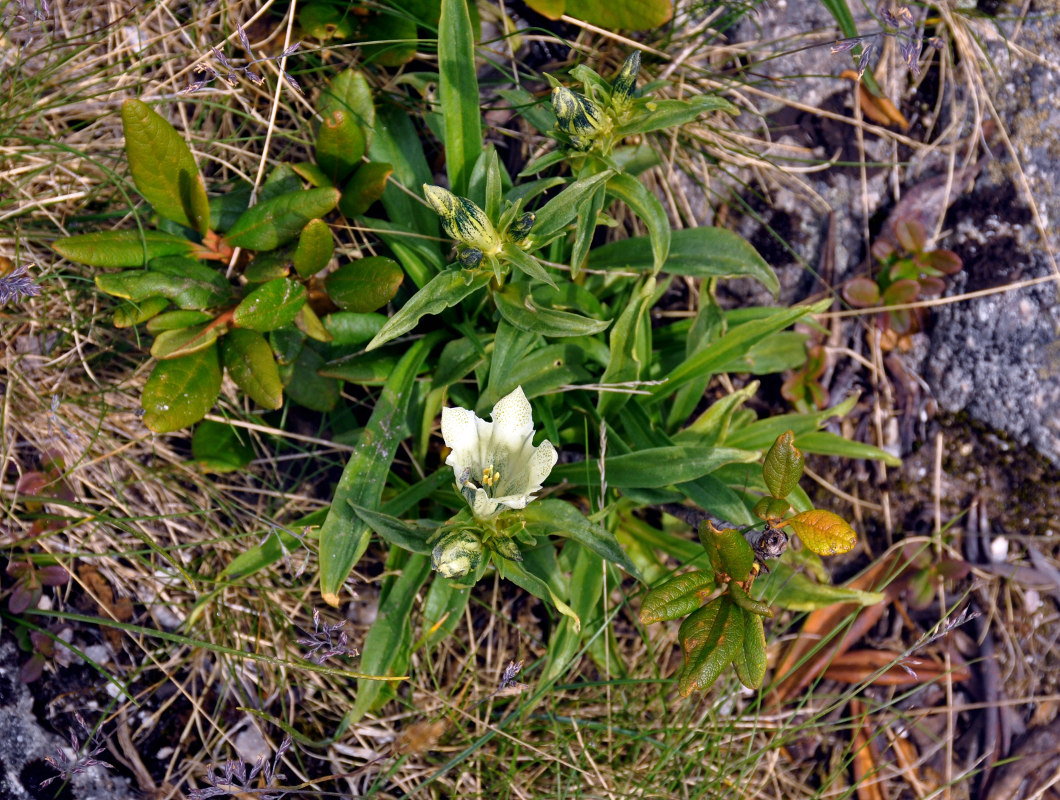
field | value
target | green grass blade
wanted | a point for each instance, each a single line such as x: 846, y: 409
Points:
x: 458, y: 93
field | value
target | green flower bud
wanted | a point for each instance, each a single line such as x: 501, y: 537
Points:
x: 577, y: 116
x: 521, y: 227
x: 625, y: 83
x: 470, y: 257
x: 462, y: 219
x: 457, y: 554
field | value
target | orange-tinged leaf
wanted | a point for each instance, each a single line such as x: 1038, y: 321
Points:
x: 823, y: 532
x: 711, y: 639
x: 728, y: 551
x: 879, y: 109
x: 887, y: 668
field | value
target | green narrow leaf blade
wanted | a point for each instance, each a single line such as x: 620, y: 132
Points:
x: 646, y: 206
x: 344, y: 536
x: 458, y: 93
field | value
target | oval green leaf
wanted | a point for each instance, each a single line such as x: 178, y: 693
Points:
x: 132, y: 313
x: 179, y: 392
x: 279, y: 220
x: 782, y: 466
x: 519, y: 309
x: 349, y: 92
x: 340, y: 146
x: 365, y: 285
x: 218, y: 447
x: 315, y: 248
x: 271, y: 305
x: 182, y: 341
x: 163, y: 167
x: 750, y: 660
x: 771, y: 509
x: 365, y: 187
x: 121, y: 248
x: 174, y: 320
x: 729, y: 551
x: 250, y: 362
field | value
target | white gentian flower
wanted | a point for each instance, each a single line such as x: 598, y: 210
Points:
x: 495, y: 463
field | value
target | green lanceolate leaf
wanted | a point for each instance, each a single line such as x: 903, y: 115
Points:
x: 458, y: 93
x: 823, y: 532
x: 340, y: 146
x: 518, y: 308
x: 711, y: 639
x: 251, y: 364
x: 670, y: 113
x: 344, y: 536
x: 315, y: 248
x: 677, y: 597
x: 396, y: 531
x: 349, y: 92
x: 179, y: 392
x: 782, y: 466
x: 792, y: 590
x: 365, y: 188
x: 526, y: 264
x: 132, y: 313
x: 626, y: 340
x: 741, y: 598
x: 563, y: 519
x: 311, y: 325
x: 383, y: 646
x: 737, y: 340
x: 163, y: 167
x: 653, y: 467
x: 272, y: 305
x: 349, y: 329
x: 561, y: 210
x: 121, y: 248
x: 277, y: 221
x: 697, y: 252
x: 218, y: 447
x: 646, y: 206
x: 750, y: 660
x: 444, y: 290
x: 180, y: 342
x: 364, y: 285
x: 520, y: 575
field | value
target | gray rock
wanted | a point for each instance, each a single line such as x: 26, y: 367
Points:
x: 997, y: 357
x: 24, y: 745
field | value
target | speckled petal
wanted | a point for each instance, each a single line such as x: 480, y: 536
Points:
x: 540, y: 464
x: 513, y: 422
x: 461, y: 433
x: 514, y: 500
